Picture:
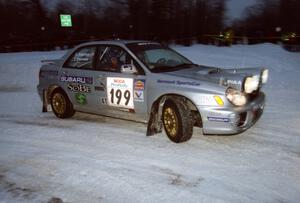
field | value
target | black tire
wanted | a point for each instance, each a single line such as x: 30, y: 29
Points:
x: 177, y: 120
x: 61, y: 105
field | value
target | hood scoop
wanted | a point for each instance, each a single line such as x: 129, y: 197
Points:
x: 208, y: 71
x: 214, y: 71
x: 224, y: 77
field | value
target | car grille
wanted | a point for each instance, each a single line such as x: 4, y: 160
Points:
x: 242, y: 119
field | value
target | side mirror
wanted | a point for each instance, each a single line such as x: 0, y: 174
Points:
x: 128, y: 68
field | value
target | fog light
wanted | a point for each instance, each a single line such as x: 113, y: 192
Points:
x: 236, y: 97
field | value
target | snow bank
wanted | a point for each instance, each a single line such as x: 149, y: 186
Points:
x: 97, y: 159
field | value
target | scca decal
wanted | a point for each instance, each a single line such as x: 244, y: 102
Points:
x: 77, y: 79
x: 79, y: 88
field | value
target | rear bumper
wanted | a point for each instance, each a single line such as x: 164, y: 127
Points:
x: 226, y: 120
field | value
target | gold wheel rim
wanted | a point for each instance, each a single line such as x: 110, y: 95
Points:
x: 59, y: 103
x: 170, y: 121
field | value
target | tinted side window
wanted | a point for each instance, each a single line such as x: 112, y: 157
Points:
x: 102, y: 50
x: 110, y: 59
x: 113, y: 58
x: 82, y: 58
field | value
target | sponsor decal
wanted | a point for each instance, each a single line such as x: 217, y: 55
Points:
x: 118, y: 83
x: 139, y: 84
x: 166, y: 81
x: 99, y: 88
x: 187, y: 83
x: 77, y: 79
x: 79, y: 88
x: 120, y: 92
x: 215, y: 114
x: 80, y: 98
x: 138, y: 95
x: 178, y: 82
x: 234, y: 82
x: 218, y: 119
x: 83, y: 57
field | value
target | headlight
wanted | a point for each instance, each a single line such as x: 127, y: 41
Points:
x: 251, y: 84
x: 236, y: 97
x: 265, y: 76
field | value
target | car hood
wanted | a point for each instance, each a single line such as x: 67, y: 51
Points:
x: 224, y: 77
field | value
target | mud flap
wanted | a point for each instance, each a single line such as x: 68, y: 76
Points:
x: 155, y: 122
x: 46, y: 107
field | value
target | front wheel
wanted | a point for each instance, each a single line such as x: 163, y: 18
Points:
x: 61, y: 105
x: 177, y: 120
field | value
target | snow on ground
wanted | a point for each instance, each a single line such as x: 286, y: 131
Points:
x: 97, y: 159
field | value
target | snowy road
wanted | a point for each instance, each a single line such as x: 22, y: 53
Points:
x: 96, y: 159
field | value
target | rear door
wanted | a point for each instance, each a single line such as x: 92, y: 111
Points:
x: 77, y: 77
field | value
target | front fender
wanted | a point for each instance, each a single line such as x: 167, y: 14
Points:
x: 198, y: 95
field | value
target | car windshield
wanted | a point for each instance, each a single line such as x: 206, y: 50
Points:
x: 158, y: 58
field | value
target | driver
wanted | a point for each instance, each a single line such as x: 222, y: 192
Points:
x: 114, y: 63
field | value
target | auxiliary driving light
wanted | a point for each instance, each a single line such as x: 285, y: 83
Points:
x: 251, y: 84
x: 265, y: 76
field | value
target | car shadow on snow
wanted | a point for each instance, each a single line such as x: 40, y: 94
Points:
x: 178, y: 179
x: 15, y: 190
x: 119, y: 123
x: 19, y: 193
x: 33, y: 121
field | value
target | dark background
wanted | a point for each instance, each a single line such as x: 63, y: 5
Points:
x: 33, y: 25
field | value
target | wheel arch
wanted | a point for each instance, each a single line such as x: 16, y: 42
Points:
x: 178, y: 96
x: 155, y: 121
x: 51, y: 89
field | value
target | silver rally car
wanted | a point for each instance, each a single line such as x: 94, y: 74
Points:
x: 147, y: 82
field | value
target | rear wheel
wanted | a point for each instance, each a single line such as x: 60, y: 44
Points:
x: 61, y: 105
x: 177, y: 120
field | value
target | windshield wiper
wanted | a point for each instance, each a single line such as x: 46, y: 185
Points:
x: 158, y: 69
x: 184, y: 64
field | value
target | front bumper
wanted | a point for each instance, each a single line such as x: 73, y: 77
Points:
x: 226, y: 120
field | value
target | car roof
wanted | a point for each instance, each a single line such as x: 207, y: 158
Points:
x: 115, y: 42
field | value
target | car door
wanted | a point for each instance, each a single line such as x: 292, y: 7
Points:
x: 120, y: 94
x: 77, y: 78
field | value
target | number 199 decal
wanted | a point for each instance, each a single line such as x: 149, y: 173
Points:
x: 120, y: 92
